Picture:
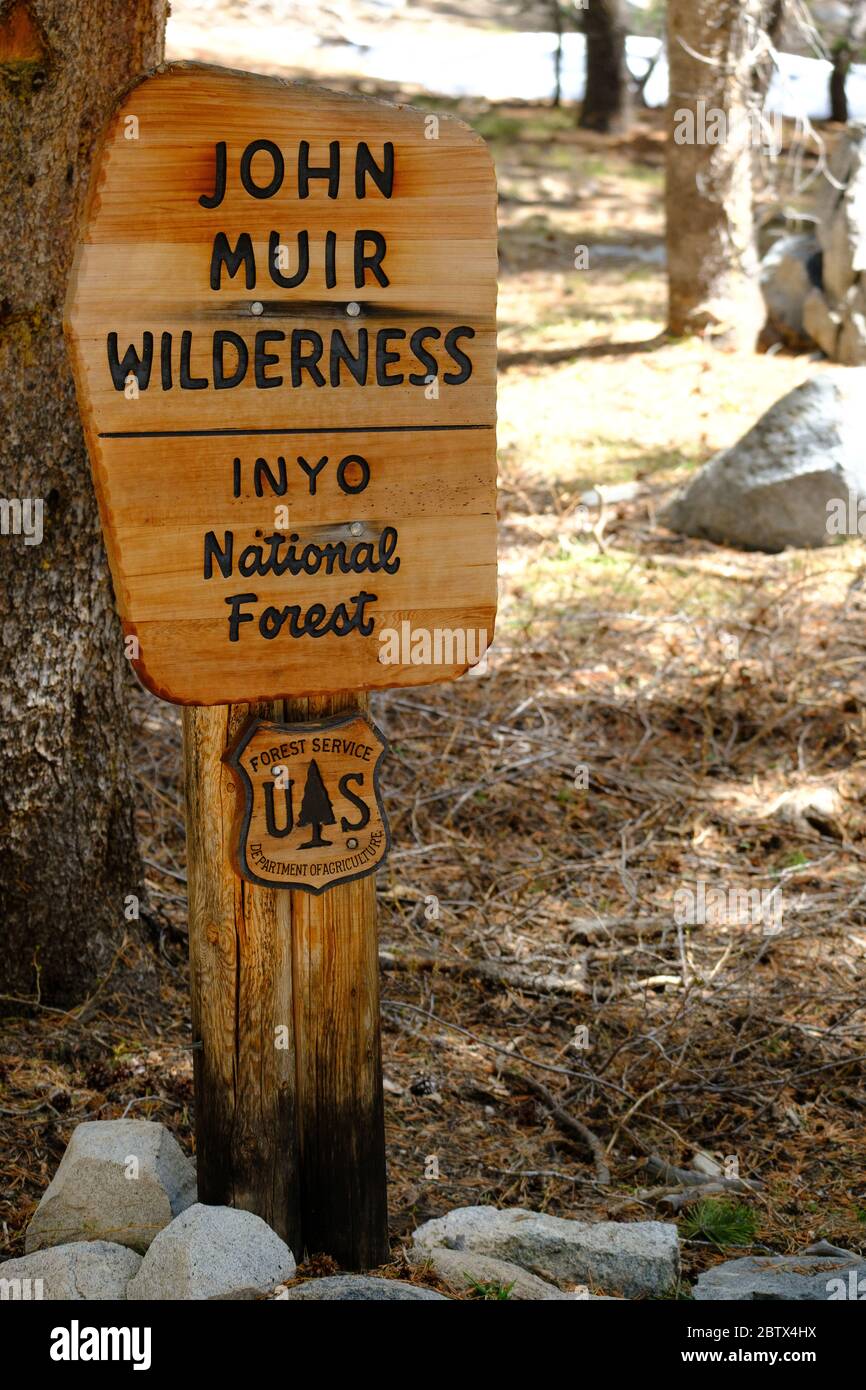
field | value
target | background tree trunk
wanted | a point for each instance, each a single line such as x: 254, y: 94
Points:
x: 606, y: 101
x: 712, y: 257
x: 838, y: 79
x: 556, y: 18
x: 775, y: 16
x: 846, y: 51
x: 66, y: 810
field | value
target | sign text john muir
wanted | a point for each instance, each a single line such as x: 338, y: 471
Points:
x: 282, y: 326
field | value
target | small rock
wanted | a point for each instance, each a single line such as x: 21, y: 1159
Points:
x: 608, y: 494
x: 839, y: 327
x: 783, y: 1278
x: 799, y: 466
x: 851, y: 344
x: 213, y: 1253
x: 95, y: 1270
x: 821, y: 323
x: 631, y: 1258
x: 119, y: 1180
x: 460, y: 1269
x: 789, y: 272
x: 824, y: 1247
x: 811, y: 809
x: 359, y: 1288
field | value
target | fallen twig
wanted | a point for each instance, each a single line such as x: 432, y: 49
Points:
x: 569, y: 1123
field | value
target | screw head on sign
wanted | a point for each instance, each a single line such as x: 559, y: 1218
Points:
x: 356, y: 528
x: 257, y: 307
x: 353, y: 309
x: 351, y: 843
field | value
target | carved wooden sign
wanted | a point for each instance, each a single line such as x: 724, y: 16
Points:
x: 312, y: 814
x: 282, y: 327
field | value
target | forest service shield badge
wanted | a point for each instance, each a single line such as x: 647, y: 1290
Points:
x: 310, y: 814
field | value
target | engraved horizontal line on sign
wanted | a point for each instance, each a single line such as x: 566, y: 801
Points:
x: 326, y: 309
x: 316, y: 310
x: 316, y: 429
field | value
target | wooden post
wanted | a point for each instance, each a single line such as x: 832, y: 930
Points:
x: 285, y: 1007
x: 241, y: 986
x: 341, y: 1124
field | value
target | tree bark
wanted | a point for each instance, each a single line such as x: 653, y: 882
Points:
x: 838, y: 79
x: 712, y: 257
x: 556, y: 17
x: 845, y: 51
x: 607, y: 96
x: 66, y: 811
x: 773, y: 20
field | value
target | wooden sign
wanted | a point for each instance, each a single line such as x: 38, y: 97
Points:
x: 282, y: 326
x: 281, y: 320
x: 312, y: 813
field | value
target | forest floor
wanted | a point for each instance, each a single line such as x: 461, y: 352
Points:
x: 655, y: 713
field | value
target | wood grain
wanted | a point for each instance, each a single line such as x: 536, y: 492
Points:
x: 339, y: 1095
x: 241, y: 989
x: 163, y: 456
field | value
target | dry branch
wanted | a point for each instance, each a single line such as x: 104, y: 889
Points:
x: 569, y: 1124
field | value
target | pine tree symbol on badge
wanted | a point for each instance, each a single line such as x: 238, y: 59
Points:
x: 316, y: 808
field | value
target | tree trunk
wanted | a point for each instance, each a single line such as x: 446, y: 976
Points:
x: 838, y: 79
x: 66, y: 812
x: 606, y: 100
x: 845, y: 51
x: 776, y: 14
x: 712, y: 257
x: 557, y: 55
